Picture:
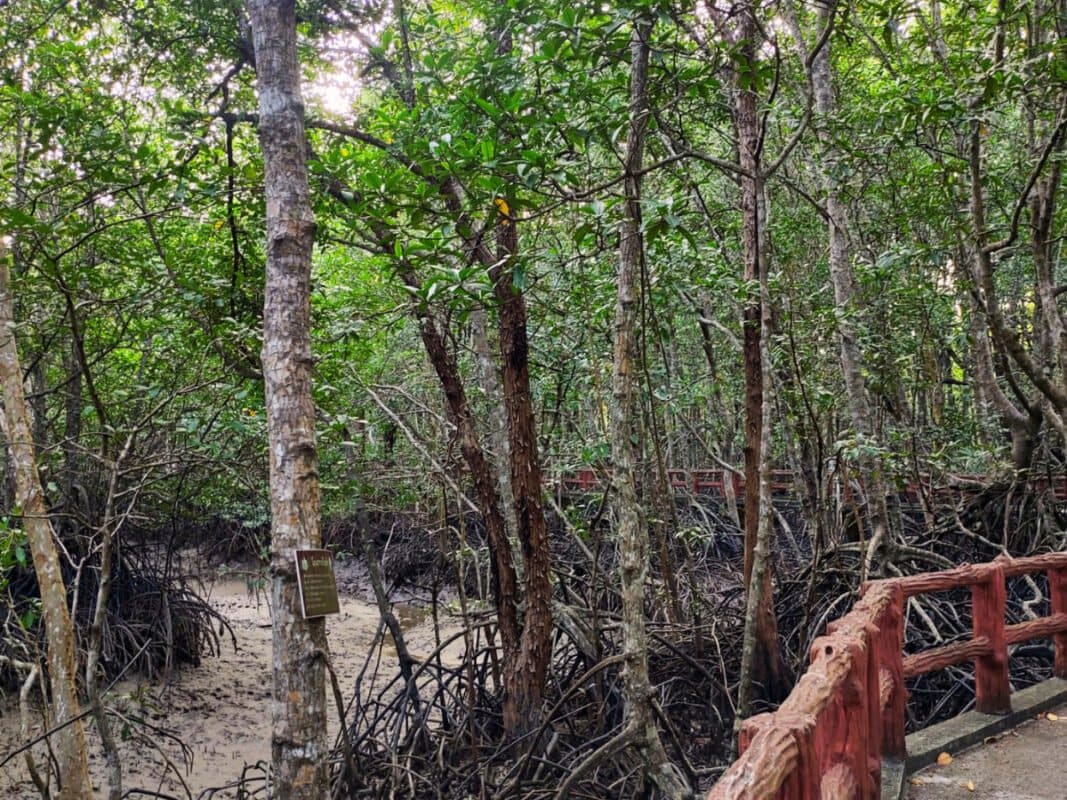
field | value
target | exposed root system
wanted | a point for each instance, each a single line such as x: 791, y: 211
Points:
x: 156, y: 620
x: 439, y: 734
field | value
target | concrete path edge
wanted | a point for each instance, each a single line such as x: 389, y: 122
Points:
x: 967, y: 730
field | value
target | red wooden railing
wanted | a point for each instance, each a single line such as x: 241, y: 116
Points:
x: 828, y: 739
x: 783, y: 482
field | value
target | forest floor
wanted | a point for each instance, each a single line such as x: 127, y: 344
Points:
x: 221, y: 709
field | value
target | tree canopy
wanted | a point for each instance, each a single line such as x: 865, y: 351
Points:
x: 822, y: 239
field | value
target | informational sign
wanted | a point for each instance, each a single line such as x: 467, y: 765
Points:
x: 316, y: 583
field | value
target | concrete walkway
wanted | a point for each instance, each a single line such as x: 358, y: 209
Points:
x: 1026, y: 763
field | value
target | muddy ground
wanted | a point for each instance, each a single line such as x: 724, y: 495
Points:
x: 221, y: 709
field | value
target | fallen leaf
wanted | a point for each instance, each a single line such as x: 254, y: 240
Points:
x: 1052, y: 717
x: 915, y: 781
x: 944, y: 760
x: 969, y: 786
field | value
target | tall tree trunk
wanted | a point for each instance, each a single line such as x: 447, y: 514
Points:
x: 765, y: 661
x: 525, y: 681
x: 851, y: 357
x: 524, y: 676
x: 753, y: 646
x: 632, y: 525
x: 525, y: 684
x: 505, y: 584
x: 500, y: 448
x: 1004, y: 335
x: 70, y: 737
x: 1049, y: 321
x: 73, y: 489
x: 299, y: 749
x: 1023, y: 424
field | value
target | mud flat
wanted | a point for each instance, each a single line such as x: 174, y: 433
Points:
x: 219, y: 710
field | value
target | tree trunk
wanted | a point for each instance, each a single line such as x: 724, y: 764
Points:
x: 525, y: 675
x: 524, y: 684
x: 765, y: 663
x: 500, y: 449
x: 1004, y: 335
x: 299, y: 748
x: 73, y: 489
x: 759, y: 623
x: 505, y: 585
x: 632, y: 526
x: 59, y: 631
x: 870, y: 466
x: 1022, y: 424
x: 1050, y: 322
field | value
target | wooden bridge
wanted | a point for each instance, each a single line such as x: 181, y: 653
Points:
x: 844, y: 719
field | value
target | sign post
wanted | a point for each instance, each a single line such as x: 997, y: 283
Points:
x: 315, y: 583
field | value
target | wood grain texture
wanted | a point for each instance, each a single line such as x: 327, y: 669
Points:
x: 965, y: 575
x: 1014, y: 567
x: 770, y: 757
x: 947, y: 656
x: 1057, y: 582
x: 992, y: 684
x: 839, y: 784
x: 1041, y: 628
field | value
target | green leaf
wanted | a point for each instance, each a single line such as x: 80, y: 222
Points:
x: 28, y: 619
x: 518, y: 276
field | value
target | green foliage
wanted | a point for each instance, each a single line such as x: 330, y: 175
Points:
x: 14, y: 551
x: 136, y: 216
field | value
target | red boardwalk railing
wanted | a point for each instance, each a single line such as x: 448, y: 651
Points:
x: 784, y: 483
x: 846, y: 714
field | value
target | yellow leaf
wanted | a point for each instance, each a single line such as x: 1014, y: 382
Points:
x: 969, y: 786
x: 502, y: 206
x: 944, y: 760
x: 1052, y: 717
x: 219, y: 224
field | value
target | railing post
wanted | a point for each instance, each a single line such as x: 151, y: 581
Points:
x: 802, y: 781
x: 1057, y: 584
x: 843, y: 732
x: 773, y: 771
x: 749, y: 728
x: 891, y: 659
x: 805, y: 779
x: 992, y: 686
x: 872, y: 711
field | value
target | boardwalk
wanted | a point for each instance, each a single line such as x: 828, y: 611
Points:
x: 844, y: 720
x: 785, y: 483
x: 1023, y: 764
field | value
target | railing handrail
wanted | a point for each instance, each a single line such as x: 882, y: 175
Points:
x: 698, y: 480
x: 846, y: 713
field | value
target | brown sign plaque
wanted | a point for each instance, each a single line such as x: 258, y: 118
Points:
x: 316, y: 584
